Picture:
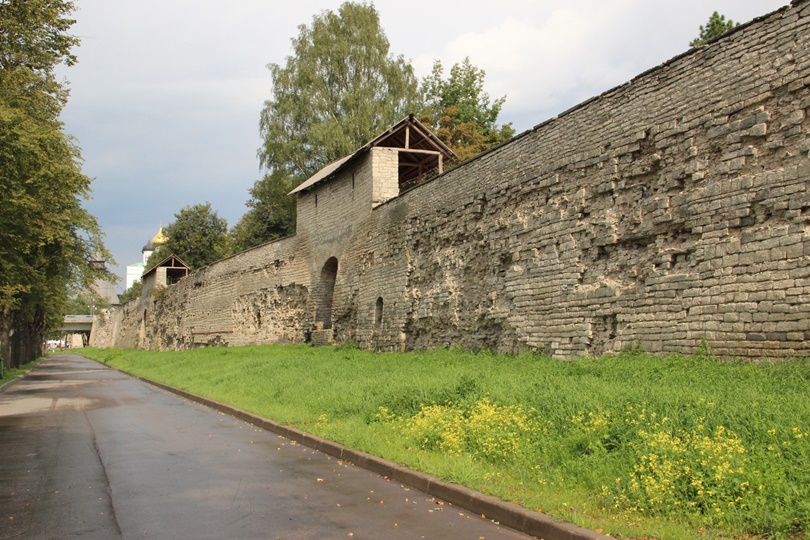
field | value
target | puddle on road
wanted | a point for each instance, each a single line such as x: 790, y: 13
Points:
x: 50, y: 372
x: 28, y: 385
x: 30, y: 405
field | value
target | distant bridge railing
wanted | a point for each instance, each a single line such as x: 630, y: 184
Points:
x: 76, y: 323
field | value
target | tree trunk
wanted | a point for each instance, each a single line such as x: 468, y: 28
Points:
x: 20, y: 340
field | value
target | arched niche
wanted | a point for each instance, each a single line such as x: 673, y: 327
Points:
x: 378, y: 312
x: 326, y: 291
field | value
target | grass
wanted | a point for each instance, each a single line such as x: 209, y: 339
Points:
x: 7, y: 375
x: 634, y: 445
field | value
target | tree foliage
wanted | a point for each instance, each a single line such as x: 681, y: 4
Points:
x: 197, y: 235
x: 47, y: 239
x: 85, y: 303
x: 460, y: 112
x: 133, y: 292
x: 716, y: 26
x: 271, y: 213
x: 339, y: 88
x: 34, y: 41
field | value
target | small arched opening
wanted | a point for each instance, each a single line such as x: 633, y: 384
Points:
x: 378, y: 312
x: 323, y: 313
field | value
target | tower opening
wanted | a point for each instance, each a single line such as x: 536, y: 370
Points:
x: 323, y: 312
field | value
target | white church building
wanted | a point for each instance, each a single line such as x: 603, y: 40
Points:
x: 135, y: 270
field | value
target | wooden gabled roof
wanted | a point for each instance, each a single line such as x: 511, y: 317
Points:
x: 420, y: 152
x: 172, y: 261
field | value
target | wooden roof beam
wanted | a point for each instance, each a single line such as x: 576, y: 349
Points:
x: 418, y: 151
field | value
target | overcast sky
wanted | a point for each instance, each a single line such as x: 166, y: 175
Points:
x: 166, y: 96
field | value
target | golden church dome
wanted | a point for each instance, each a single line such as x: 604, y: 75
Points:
x: 159, y: 238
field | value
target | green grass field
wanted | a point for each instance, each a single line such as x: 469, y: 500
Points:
x: 634, y: 445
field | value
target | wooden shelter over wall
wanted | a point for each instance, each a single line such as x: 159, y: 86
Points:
x: 420, y: 156
x: 167, y: 272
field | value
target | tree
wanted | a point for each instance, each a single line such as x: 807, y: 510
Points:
x: 47, y: 239
x: 716, y: 26
x: 132, y: 293
x: 271, y: 213
x: 85, y: 303
x: 34, y: 41
x: 460, y: 112
x: 339, y: 89
x: 197, y: 235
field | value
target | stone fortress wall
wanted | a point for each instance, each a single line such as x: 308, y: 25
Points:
x: 670, y: 209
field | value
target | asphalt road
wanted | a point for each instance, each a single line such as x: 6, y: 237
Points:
x: 87, y: 452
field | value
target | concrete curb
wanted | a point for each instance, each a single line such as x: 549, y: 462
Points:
x: 508, y: 514
x: 8, y: 384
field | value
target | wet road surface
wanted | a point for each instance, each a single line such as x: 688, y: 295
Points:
x: 87, y: 452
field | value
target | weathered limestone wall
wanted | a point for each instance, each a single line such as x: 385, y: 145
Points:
x: 259, y: 296
x: 670, y: 209
x: 267, y: 294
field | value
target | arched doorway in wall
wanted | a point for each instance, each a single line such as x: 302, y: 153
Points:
x: 323, y: 313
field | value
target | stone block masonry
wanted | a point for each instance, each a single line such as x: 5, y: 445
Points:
x: 667, y: 210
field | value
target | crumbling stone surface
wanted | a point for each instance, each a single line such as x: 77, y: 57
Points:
x: 669, y: 209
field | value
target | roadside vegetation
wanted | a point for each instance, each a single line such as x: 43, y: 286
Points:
x: 7, y: 375
x: 48, y: 239
x: 634, y: 445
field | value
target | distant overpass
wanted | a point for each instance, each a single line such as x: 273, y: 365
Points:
x: 77, y: 324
